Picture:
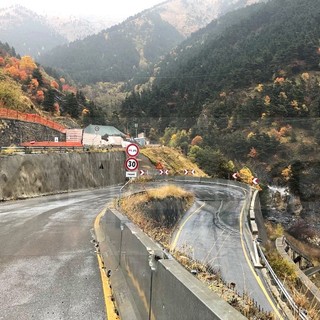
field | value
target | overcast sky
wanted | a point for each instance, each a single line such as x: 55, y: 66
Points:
x: 116, y: 9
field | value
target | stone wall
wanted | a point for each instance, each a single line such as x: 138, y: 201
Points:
x: 14, y: 132
x: 23, y: 176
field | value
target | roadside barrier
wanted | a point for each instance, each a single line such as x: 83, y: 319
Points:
x: 147, y: 283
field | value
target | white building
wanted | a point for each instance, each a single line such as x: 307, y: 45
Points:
x: 97, y: 135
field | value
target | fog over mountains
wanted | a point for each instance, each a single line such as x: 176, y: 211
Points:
x: 133, y: 46
x: 33, y: 34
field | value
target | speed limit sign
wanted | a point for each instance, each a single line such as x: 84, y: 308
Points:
x: 132, y: 150
x: 131, y: 164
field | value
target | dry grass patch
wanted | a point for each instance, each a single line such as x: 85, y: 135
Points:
x: 157, y: 211
x: 172, y: 159
x: 168, y: 191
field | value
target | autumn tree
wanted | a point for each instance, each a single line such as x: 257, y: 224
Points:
x: 197, y: 141
x: 40, y: 96
x: 54, y: 84
x: 253, y: 153
x: 27, y: 64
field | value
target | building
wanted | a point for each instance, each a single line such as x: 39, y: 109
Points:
x: 97, y: 135
x: 74, y: 135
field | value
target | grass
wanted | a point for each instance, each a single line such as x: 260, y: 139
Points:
x: 167, y: 191
x: 135, y: 207
x: 172, y: 159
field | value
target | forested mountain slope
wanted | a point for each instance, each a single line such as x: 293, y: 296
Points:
x: 117, y: 53
x: 247, y: 92
x: 280, y: 38
x: 28, y: 88
x: 132, y: 47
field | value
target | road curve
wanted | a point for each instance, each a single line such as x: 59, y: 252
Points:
x: 211, y: 232
x: 48, y: 265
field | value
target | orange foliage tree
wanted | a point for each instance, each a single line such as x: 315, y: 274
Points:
x: 27, y: 64
x: 56, y: 108
x: 40, y: 96
x: 196, y: 141
x: 253, y: 153
x: 34, y: 84
x: 54, y: 84
x: 12, y: 71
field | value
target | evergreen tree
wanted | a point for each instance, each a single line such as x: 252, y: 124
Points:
x: 48, y: 102
x: 70, y: 105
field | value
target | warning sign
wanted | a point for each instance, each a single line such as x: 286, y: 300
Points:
x: 159, y: 166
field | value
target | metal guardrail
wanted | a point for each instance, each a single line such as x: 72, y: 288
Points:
x: 296, y: 310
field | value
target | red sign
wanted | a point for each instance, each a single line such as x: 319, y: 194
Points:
x: 159, y: 166
x: 132, y: 164
x: 132, y: 150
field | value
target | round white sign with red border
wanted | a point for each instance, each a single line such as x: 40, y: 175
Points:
x: 132, y: 150
x: 132, y: 164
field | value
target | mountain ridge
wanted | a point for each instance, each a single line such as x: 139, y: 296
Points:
x: 33, y: 34
x: 148, y: 37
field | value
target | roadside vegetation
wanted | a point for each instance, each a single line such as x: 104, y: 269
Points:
x: 173, y: 160
x: 286, y: 270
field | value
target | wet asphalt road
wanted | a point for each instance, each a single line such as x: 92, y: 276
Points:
x: 48, y: 264
x: 210, y: 233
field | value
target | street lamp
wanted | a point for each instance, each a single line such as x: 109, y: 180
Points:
x: 136, y: 126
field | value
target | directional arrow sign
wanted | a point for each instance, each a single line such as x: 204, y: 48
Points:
x: 131, y: 164
x: 255, y: 181
x: 186, y: 171
x: 235, y: 176
x: 142, y: 172
x: 164, y: 171
x: 193, y: 171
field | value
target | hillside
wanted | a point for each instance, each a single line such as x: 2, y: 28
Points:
x: 26, y: 87
x: 244, y: 89
x: 132, y: 47
x: 245, y: 73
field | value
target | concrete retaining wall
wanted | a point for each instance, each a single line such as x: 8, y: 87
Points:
x: 29, y: 175
x: 149, y: 285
